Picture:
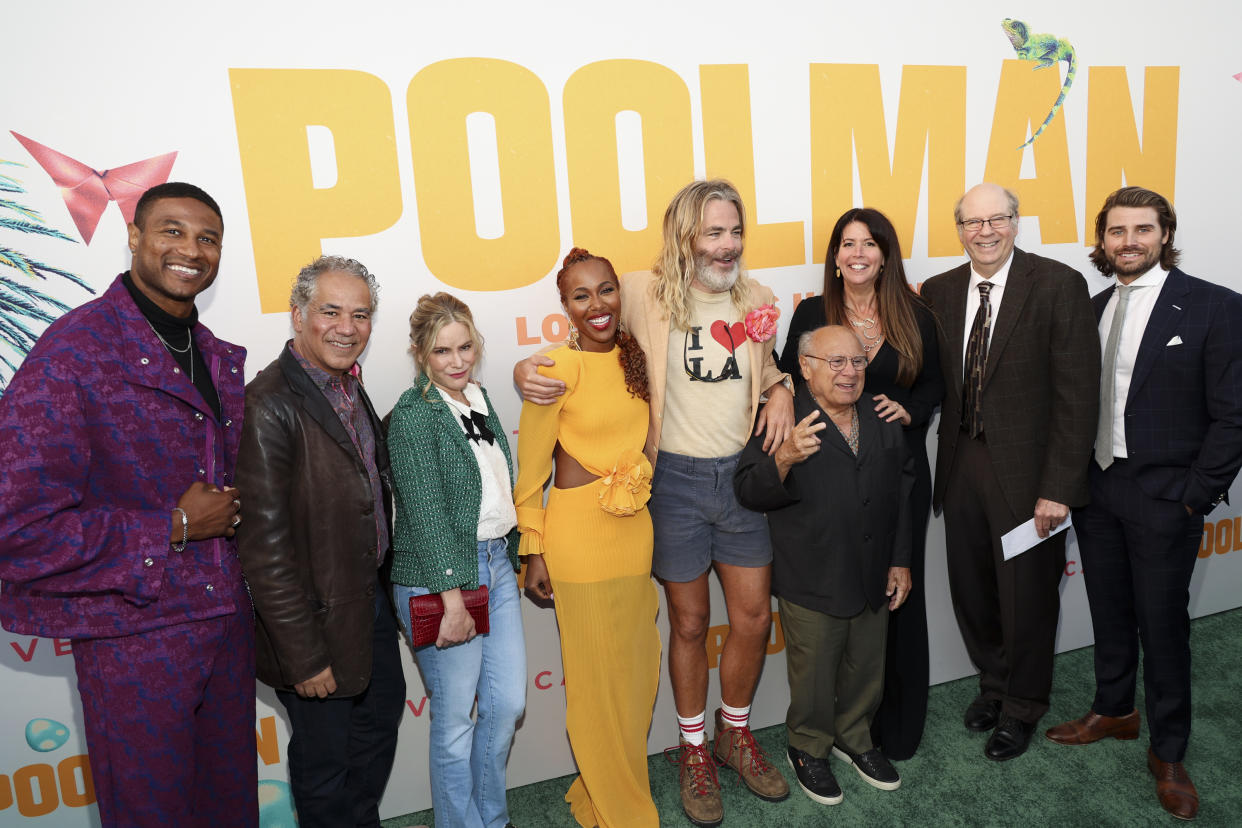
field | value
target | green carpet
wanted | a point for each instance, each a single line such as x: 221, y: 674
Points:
x: 950, y: 782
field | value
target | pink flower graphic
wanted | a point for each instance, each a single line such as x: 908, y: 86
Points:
x: 761, y: 322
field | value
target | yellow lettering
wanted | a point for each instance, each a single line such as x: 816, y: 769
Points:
x: 1115, y: 155
x: 593, y: 97
x: 439, y: 99
x: 289, y: 216
x: 266, y: 741
x: 729, y: 152
x: 555, y: 327
x: 847, y: 119
x: 1224, y: 536
x: 523, y: 338
x: 72, y: 793
x: 776, y: 642
x: 25, y: 780
x: 1023, y: 99
x: 716, y: 637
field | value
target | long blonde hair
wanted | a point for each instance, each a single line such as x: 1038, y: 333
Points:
x: 431, y: 315
x: 675, y: 268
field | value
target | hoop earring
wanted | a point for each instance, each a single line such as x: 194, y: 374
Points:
x: 573, y: 337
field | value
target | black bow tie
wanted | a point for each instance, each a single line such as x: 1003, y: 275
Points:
x: 476, y: 427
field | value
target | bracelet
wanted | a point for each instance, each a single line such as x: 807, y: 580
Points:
x: 185, y: 530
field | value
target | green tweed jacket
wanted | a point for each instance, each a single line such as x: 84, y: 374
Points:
x: 437, y: 488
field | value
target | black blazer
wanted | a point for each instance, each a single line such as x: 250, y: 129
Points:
x: 1183, y: 413
x: 1041, y: 384
x: 838, y: 522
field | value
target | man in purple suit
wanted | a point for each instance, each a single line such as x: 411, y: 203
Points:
x: 118, y: 438
x: 1167, y: 448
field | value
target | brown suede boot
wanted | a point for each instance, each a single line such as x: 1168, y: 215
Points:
x: 700, y: 787
x: 736, y: 747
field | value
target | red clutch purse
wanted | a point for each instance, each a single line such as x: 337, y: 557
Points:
x: 427, y: 611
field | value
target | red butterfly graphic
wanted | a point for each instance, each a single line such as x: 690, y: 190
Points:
x: 87, y: 191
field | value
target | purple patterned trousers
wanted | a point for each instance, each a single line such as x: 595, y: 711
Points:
x: 170, y: 723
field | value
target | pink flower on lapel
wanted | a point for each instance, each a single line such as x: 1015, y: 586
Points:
x: 761, y: 322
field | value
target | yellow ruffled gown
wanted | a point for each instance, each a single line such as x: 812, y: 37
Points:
x: 596, y: 542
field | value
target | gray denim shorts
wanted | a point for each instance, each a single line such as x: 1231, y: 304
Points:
x: 697, y: 519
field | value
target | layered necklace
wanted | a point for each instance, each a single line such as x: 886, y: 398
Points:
x: 868, y: 328
x: 189, y: 346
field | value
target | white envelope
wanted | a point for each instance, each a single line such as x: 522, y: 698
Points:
x: 1176, y: 340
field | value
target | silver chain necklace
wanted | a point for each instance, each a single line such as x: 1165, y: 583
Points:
x: 189, y: 347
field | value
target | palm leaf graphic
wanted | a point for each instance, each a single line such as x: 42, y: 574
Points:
x: 25, y: 309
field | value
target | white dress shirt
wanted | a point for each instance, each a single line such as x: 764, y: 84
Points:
x: 1142, y: 301
x: 994, y: 298
x: 496, y: 512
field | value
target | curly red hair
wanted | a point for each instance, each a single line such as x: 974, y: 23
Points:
x: 629, y: 353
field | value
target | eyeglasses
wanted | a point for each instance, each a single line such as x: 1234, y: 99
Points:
x: 837, y: 361
x: 995, y: 222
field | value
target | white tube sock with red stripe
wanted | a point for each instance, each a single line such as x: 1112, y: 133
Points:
x: 692, y: 728
x: 734, y: 716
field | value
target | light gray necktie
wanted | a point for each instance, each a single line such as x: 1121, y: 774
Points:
x: 1108, y: 380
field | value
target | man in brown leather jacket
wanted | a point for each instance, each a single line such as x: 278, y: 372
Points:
x: 315, y: 470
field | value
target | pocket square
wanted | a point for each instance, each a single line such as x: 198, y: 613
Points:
x: 1176, y: 340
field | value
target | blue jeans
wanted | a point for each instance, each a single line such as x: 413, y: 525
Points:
x: 468, y: 758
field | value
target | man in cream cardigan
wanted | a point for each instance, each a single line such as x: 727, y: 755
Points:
x: 706, y: 330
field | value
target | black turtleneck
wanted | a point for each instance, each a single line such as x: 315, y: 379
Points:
x: 178, y: 333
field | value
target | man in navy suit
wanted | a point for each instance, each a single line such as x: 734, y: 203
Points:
x: 1169, y: 445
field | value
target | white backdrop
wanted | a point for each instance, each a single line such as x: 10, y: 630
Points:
x: 467, y: 147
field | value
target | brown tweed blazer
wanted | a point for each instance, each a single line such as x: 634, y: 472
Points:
x: 1040, y: 385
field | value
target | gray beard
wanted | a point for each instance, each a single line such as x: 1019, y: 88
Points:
x: 713, y: 281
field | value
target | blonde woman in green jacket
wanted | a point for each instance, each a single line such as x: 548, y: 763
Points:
x: 455, y: 529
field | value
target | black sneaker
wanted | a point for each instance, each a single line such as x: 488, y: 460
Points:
x: 815, y: 777
x: 872, y: 767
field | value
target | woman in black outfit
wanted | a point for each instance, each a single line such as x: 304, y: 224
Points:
x: 865, y: 288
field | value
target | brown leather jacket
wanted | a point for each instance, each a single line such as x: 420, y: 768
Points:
x: 307, y: 538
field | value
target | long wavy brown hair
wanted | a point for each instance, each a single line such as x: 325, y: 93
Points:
x: 895, y: 301
x: 629, y: 353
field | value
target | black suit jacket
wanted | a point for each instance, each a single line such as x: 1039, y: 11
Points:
x: 1040, y: 384
x: 838, y: 522
x: 1183, y: 412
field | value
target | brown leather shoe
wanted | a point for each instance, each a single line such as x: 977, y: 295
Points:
x: 736, y: 747
x: 1173, y: 786
x: 1093, y: 727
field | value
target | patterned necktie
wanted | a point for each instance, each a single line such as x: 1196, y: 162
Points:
x: 1108, y: 380
x: 976, y: 359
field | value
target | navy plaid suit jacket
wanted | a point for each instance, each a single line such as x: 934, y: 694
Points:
x: 1183, y: 413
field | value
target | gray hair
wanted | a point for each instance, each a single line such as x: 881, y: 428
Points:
x: 804, y: 342
x: 1010, y: 196
x: 308, y: 279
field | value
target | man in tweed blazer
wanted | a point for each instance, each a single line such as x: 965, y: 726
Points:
x: 1168, y: 447
x: 1037, y: 405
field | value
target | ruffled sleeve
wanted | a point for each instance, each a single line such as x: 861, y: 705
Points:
x: 537, y: 435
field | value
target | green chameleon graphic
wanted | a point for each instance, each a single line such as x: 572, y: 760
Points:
x: 1047, y: 50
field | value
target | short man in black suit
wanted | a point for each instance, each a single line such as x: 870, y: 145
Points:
x: 837, y: 497
x: 1021, y: 364
x: 1169, y: 445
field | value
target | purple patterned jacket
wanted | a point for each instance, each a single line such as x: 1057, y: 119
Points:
x: 100, y: 434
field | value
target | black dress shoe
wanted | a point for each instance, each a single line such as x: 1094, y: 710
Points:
x: 982, y: 714
x: 1010, y: 739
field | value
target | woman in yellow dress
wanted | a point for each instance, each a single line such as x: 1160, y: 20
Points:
x: 590, y: 549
